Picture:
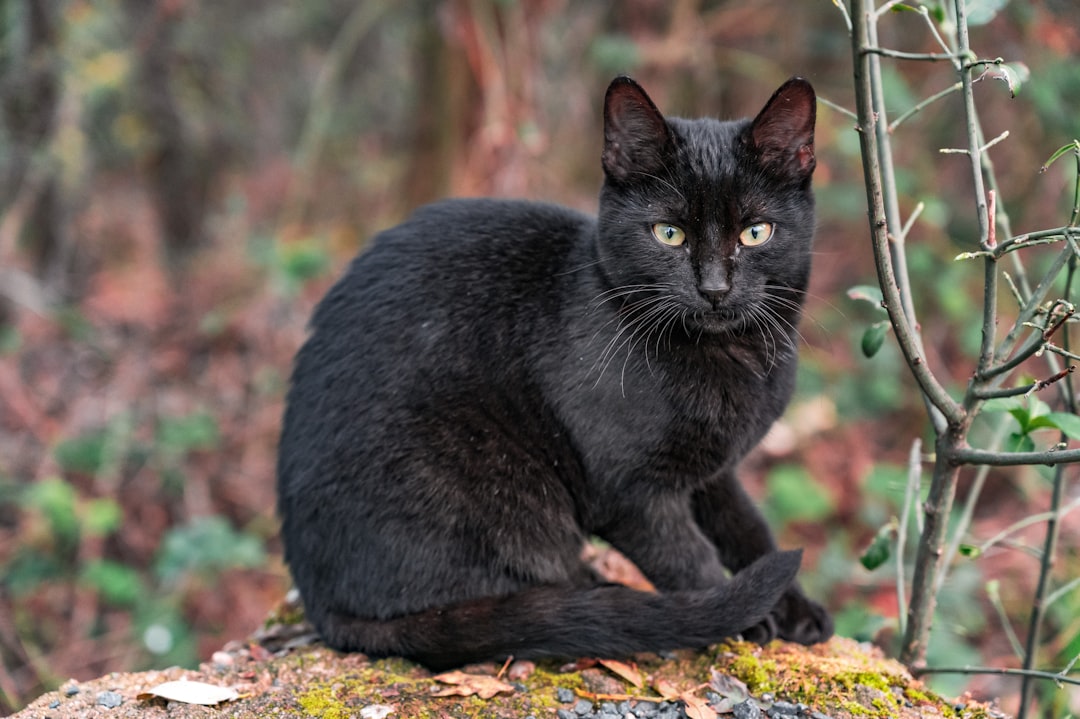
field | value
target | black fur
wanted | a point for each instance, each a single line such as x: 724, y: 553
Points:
x: 494, y: 381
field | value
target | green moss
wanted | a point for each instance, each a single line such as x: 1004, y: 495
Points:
x: 757, y: 674
x: 322, y: 702
x: 855, y: 708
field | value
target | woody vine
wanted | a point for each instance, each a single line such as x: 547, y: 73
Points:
x: 1018, y: 374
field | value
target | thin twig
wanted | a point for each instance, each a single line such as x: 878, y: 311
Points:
x: 911, y: 491
x: 1056, y: 677
x: 1053, y: 530
x: 919, y: 107
x: 901, y: 55
x: 1050, y: 457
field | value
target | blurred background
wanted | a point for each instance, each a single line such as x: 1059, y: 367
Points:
x: 181, y: 180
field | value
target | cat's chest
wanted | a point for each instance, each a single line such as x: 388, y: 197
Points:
x: 685, y: 419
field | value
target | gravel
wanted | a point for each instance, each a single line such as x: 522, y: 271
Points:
x: 765, y: 708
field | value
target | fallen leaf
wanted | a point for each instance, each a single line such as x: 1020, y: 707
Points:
x: 465, y: 685
x: 626, y: 671
x: 666, y: 689
x: 696, y: 707
x: 728, y: 686
x: 191, y: 692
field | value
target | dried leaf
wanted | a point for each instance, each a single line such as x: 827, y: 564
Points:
x: 728, y: 686
x: 696, y: 707
x: 465, y: 685
x: 626, y: 671
x: 191, y: 692
x: 666, y: 689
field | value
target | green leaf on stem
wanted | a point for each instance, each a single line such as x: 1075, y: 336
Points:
x: 1020, y: 442
x: 1073, y: 147
x: 874, y: 337
x: 1013, y: 74
x: 970, y: 550
x: 867, y: 293
x: 1066, y: 422
x: 980, y: 12
x: 880, y: 548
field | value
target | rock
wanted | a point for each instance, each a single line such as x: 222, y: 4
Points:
x: 109, y: 700
x: 565, y: 696
x: 583, y: 707
x: 747, y: 710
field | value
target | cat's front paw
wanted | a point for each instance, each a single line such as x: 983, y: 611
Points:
x: 800, y: 619
x: 795, y: 618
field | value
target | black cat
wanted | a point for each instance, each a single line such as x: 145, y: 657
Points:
x: 494, y: 381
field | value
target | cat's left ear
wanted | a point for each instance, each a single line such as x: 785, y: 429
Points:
x: 783, y: 132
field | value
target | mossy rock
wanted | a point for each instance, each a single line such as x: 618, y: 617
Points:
x: 283, y: 671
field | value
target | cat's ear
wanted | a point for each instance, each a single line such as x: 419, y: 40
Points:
x: 636, y: 136
x: 783, y: 132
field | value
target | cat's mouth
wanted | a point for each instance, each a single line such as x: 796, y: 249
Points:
x: 720, y: 320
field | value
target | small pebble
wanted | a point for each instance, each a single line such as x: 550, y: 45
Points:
x: 779, y: 707
x: 583, y: 707
x: 565, y: 714
x: 746, y: 710
x: 521, y: 669
x: 54, y: 704
x: 109, y: 700
x: 565, y: 696
x: 222, y: 659
x: 71, y: 690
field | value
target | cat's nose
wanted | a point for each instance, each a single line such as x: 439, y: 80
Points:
x: 715, y: 288
x: 714, y: 281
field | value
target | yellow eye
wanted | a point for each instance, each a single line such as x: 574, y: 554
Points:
x: 755, y: 235
x: 668, y: 234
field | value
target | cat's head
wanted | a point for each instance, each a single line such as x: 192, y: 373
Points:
x: 714, y: 217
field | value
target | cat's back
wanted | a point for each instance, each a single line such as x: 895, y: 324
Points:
x: 460, y: 241
x: 456, y: 266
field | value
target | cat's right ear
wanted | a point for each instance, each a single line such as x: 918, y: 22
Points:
x: 636, y: 136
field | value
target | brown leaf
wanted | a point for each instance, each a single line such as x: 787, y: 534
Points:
x: 465, y: 685
x: 696, y: 707
x: 626, y: 671
x: 728, y: 686
x: 666, y: 689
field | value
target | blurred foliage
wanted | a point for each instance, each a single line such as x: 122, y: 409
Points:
x: 181, y: 180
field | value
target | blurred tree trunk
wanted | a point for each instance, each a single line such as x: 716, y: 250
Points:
x: 444, y: 93
x: 179, y: 169
x: 29, y: 191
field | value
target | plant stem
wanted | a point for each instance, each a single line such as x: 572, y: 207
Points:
x: 928, y: 560
x: 879, y: 183
x: 1050, y: 457
x: 1049, y: 555
x: 1052, y: 676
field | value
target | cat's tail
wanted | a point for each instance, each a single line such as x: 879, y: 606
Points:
x: 557, y: 621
